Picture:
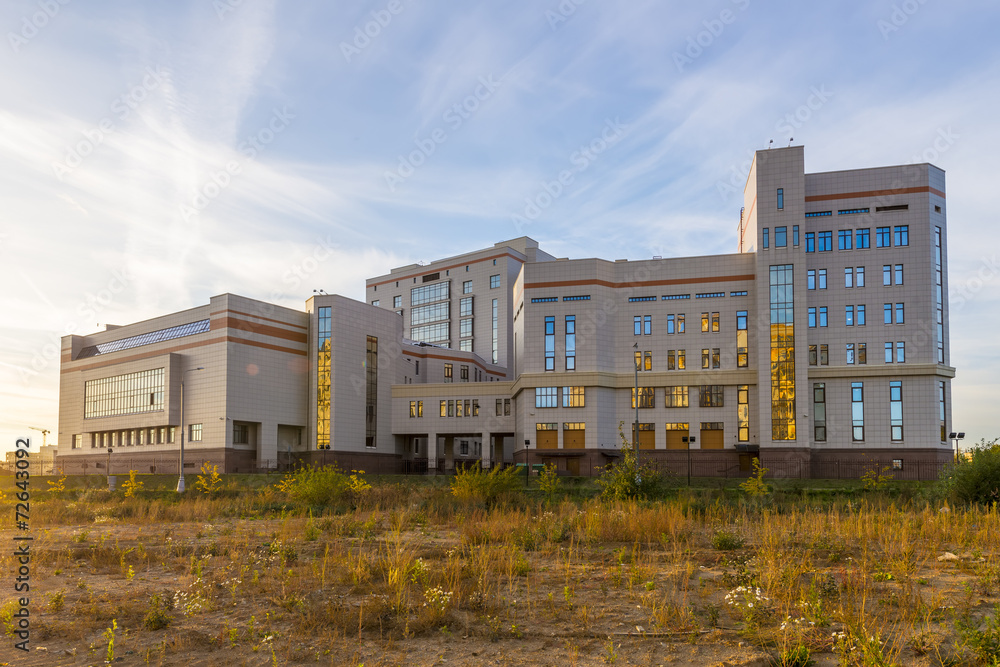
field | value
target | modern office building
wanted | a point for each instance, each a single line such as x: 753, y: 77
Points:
x: 820, y: 345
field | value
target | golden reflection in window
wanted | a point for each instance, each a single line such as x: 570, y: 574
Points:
x: 323, y: 380
x: 782, y: 353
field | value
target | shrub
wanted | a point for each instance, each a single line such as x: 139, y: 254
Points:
x: 755, y: 485
x: 209, y: 481
x: 473, y: 484
x: 727, y: 541
x: 131, y: 485
x: 975, y: 479
x: 629, y: 479
x: 549, y: 482
x: 316, y: 486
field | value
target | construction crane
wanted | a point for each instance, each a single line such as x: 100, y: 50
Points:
x: 44, y: 431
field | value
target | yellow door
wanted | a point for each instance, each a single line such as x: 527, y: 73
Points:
x: 574, y: 439
x: 712, y: 439
x: 647, y: 439
x: 547, y: 439
x: 675, y: 440
x: 573, y: 466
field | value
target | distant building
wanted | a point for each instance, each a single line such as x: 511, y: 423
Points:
x: 820, y: 346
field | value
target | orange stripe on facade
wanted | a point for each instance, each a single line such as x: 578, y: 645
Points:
x: 650, y: 283
x: 447, y: 358
x: 178, y: 348
x: 444, y: 268
x: 255, y: 328
x: 259, y: 317
x: 876, y: 193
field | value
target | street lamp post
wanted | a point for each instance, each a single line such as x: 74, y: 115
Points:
x: 955, y: 437
x: 180, y: 478
x: 635, y: 399
x: 109, y: 469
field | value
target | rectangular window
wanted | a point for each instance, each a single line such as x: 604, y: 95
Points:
x: 78, y: 441
x: 670, y: 360
x: 371, y: 390
x: 194, y: 433
x: 715, y: 323
x: 458, y: 408
x: 546, y: 397
x: 375, y: 303
x: 863, y: 239
x: 824, y: 355
x: 888, y: 353
x: 861, y: 315
x: 704, y: 322
x: 496, y: 332
x: 645, y: 397
x: 826, y: 241
x: 860, y: 276
x: 465, y: 328
x: 858, y: 411
x: 781, y: 198
x: 704, y: 358
x: 571, y: 342
x: 743, y: 412
x: 681, y: 360
x: 463, y: 373
x: 742, y: 345
x: 887, y: 313
x: 812, y: 317
x: 849, y: 277
x: 821, y: 278
x: 899, y: 313
x: 465, y: 306
x: 822, y: 316
x: 781, y: 237
x: 647, y: 361
x: 716, y: 357
x: 127, y: 394
x: 429, y: 293
x: 420, y: 408
x: 900, y: 352
x: 413, y: 409
x: 898, y: 274
x: 467, y: 287
x: 811, y: 279
x: 647, y: 324
x: 397, y: 302
x: 448, y: 369
x: 677, y: 397
x: 887, y: 274
x: 765, y: 241
x: 637, y: 325
x: 849, y: 316
x: 939, y: 294
x: 435, y: 312
x: 942, y: 417
x: 810, y: 242
x: 862, y: 353
x: 883, y: 237
x: 670, y: 324
x: 506, y: 407
x: 550, y: 343
x: 494, y: 281
x: 844, y: 237
x: 902, y: 234
x: 850, y: 354
x: 499, y: 408
x: 813, y: 355
x: 795, y: 235
x: 711, y: 396
x: 896, y: 410
x: 819, y: 412
x: 572, y: 397
x: 680, y: 323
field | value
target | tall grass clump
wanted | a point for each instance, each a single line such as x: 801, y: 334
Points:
x: 975, y: 480
x: 628, y: 478
x: 473, y: 484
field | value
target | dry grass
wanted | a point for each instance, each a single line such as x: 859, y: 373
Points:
x: 403, y: 575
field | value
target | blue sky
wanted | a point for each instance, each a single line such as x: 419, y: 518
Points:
x: 155, y: 154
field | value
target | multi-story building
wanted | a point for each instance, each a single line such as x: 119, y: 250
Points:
x: 820, y: 346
